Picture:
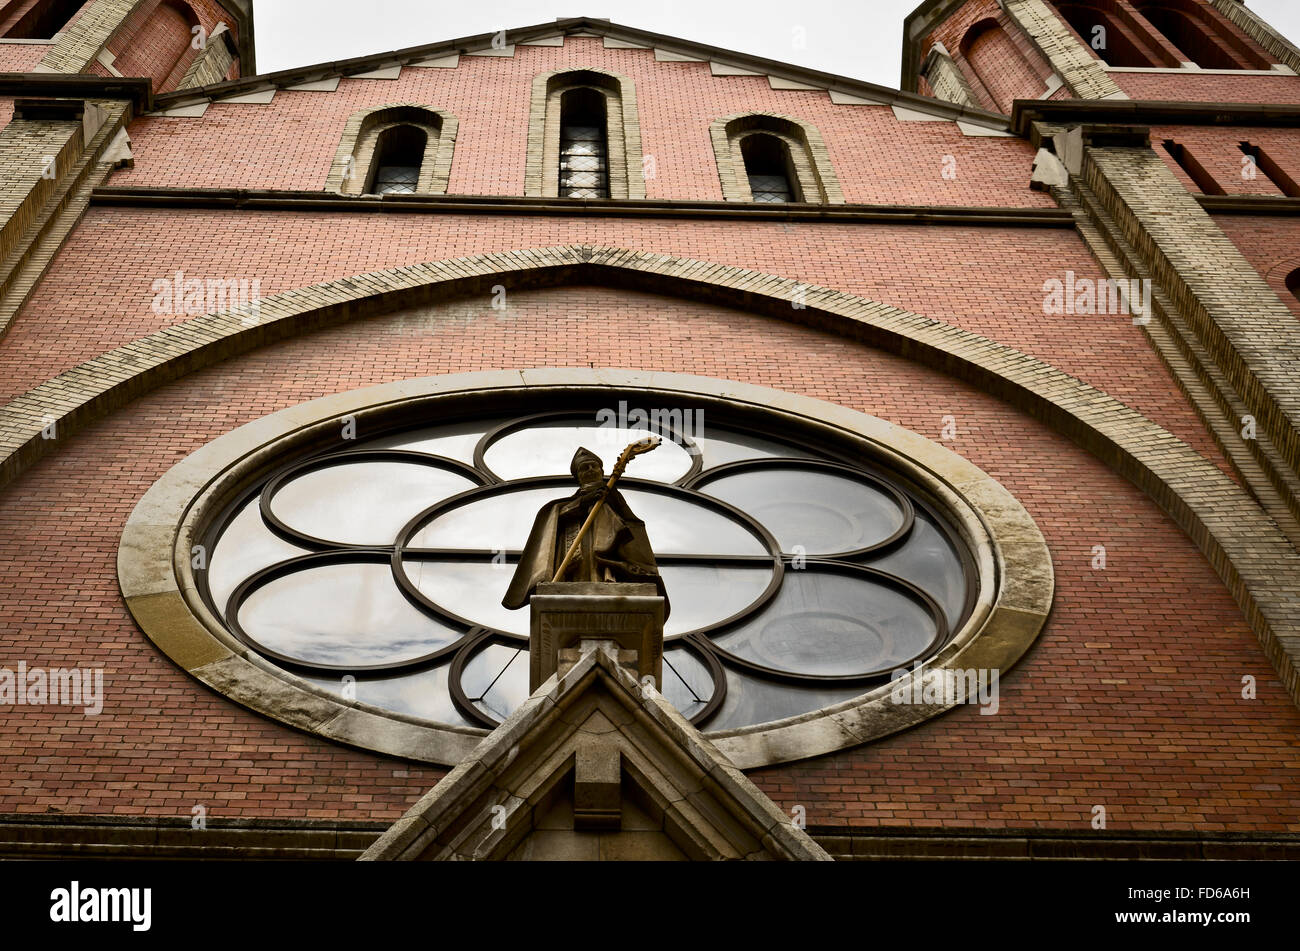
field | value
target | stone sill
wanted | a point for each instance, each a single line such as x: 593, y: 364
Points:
x: 1277, y: 69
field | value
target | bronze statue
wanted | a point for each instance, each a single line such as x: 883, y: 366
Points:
x: 591, y: 536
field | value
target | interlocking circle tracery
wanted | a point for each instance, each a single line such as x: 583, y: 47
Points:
x: 798, y: 579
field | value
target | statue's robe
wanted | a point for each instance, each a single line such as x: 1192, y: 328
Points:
x: 615, y: 548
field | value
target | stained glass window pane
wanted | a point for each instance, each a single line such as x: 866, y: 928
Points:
x: 342, y: 614
x: 363, y: 503
x: 833, y: 624
x: 816, y: 512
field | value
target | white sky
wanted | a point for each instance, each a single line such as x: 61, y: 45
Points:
x: 861, y: 39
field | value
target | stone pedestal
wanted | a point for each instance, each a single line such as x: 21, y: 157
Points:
x: 566, y: 613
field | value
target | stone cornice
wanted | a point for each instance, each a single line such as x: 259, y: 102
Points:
x: 271, y: 199
x: 78, y: 86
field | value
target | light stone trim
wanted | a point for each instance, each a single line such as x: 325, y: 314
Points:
x: 80, y: 42
x: 1250, y: 333
x: 1081, y: 72
x: 610, y: 43
x: 387, y: 72
x: 319, y: 85
x: 776, y: 82
x: 846, y: 99
x: 439, y: 62
x: 1242, y: 544
x: 493, y: 51
x: 556, y: 40
x: 818, y: 183
x: 903, y: 114
x: 261, y: 97
x: 622, y: 130
x: 946, y: 79
x: 213, y: 62
x: 668, y: 56
x: 1254, y: 26
x: 705, y: 806
x: 723, y: 69
x: 356, y: 150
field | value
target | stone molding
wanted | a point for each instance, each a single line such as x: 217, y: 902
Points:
x: 622, y: 131
x: 351, y: 169
x: 1012, y: 562
x: 818, y: 183
x: 1084, y: 74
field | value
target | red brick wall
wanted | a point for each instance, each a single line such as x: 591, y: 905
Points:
x: 1012, y: 69
x: 1271, y: 244
x: 1000, y: 67
x: 1218, y: 150
x: 156, y: 39
x: 1189, y: 86
x: 21, y: 57
x: 1130, y: 699
x: 97, y: 293
x: 290, y: 143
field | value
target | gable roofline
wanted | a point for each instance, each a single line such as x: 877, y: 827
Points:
x: 916, y: 26
x: 451, y: 821
x: 831, y: 82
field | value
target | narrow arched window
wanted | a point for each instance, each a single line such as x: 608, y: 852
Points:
x: 1293, y: 283
x: 36, y: 21
x: 769, y: 169
x: 584, y: 148
x: 1202, y: 36
x: 763, y: 157
x: 399, y: 154
x: 1103, y: 31
x: 400, y: 148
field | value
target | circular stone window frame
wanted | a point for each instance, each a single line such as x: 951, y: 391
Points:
x: 156, y: 570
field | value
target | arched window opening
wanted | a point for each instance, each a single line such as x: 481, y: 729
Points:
x: 401, y: 148
x: 1197, y: 172
x: 1204, y: 42
x: 997, y: 70
x: 1265, y: 163
x: 769, y: 168
x: 38, y: 21
x: 584, y: 149
x: 1107, y: 36
x: 1293, y: 283
x: 399, y: 154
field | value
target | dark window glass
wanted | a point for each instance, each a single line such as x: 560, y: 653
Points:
x: 584, y: 157
x: 399, y: 153
x: 768, y: 167
x: 40, y: 21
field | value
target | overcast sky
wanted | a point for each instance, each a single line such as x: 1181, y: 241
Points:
x: 858, y: 38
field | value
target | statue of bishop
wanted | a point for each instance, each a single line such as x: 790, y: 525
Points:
x: 615, y: 548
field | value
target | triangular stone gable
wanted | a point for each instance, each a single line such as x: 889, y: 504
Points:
x: 720, y: 62
x: 592, y: 766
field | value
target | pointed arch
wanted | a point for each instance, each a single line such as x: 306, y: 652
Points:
x: 1237, y: 537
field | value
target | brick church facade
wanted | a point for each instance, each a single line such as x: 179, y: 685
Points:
x: 1049, y: 291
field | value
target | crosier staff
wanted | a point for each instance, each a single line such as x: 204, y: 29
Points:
x: 631, y: 452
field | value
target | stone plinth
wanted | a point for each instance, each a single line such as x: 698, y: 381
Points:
x: 566, y: 613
